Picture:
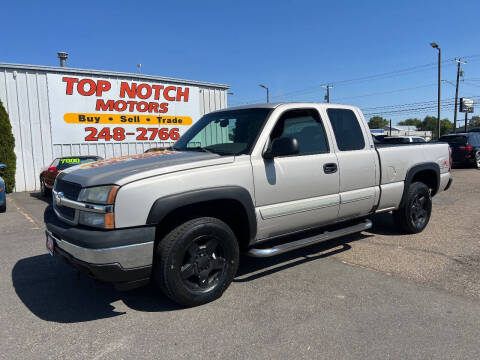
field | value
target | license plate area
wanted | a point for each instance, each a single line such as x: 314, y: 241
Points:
x: 50, y: 244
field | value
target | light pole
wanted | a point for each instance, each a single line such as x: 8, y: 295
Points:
x: 435, y: 46
x: 459, y: 63
x: 268, y: 94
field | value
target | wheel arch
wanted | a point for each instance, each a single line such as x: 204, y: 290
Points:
x: 427, y: 173
x: 231, y: 204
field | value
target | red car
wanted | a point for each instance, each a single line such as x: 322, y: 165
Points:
x: 49, y: 174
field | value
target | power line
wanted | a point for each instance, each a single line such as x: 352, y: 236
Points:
x: 386, y: 92
x: 381, y: 76
x: 409, y: 108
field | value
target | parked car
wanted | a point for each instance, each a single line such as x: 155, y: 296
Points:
x: 155, y: 149
x: 182, y: 216
x: 465, y: 148
x: 3, y: 200
x: 402, y: 139
x: 50, y: 173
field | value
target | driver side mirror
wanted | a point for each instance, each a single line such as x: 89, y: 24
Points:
x: 284, y: 146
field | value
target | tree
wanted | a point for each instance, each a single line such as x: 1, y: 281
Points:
x: 377, y: 122
x: 474, y: 121
x: 411, y: 122
x: 7, y: 155
x: 430, y: 124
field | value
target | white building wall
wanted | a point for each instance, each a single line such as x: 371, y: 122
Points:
x: 23, y: 91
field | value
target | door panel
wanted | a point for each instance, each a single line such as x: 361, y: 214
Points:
x: 294, y: 193
x: 357, y: 161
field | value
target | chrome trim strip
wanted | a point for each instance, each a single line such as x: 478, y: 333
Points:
x: 289, y: 246
x: 298, y: 206
x: 60, y: 199
x: 128, y: 256
x: 356, y: 199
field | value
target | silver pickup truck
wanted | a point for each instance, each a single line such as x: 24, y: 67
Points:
x: 238, y: 179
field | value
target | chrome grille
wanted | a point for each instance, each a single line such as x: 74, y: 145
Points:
x: 69, y: 189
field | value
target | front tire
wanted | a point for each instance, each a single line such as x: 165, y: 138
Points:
x: 196, y: 261
x: 43, y: 189
x: 414, y: 215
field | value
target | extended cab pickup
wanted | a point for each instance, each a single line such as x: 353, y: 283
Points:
x: 237, y: 179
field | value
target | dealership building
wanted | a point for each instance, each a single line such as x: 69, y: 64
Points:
x: 61, y: 111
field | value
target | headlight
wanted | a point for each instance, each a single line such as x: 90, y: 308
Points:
x: 99, y: 194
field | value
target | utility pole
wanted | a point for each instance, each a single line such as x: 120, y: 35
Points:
x: 459, y: 63
x: 466, y: 121
x: 435, y: 46
x: 328, y: 87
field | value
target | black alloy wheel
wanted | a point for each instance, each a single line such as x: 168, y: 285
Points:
x: 204, y: 264
x: 196, y: 261
x: 413, y: 216
x: 419, y: 210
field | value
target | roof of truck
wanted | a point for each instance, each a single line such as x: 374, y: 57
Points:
x: 275, y: 105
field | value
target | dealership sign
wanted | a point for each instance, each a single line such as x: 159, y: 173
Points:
x: 92, y: 109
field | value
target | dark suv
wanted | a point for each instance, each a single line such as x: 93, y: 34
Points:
x: 465, y: 148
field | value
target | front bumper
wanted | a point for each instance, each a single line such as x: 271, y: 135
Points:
x: 121, y: 256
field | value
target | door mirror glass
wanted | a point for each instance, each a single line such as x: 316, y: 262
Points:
x: 284, y: 146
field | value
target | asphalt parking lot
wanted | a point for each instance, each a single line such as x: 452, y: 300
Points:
x: 373, y: 295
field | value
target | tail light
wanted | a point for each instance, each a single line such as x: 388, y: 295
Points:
x: 467, y: 147
x: 450, y: 158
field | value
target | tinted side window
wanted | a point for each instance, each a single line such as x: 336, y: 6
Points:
x: 347, y: 130
x: 306, y: 127
x: 474, y: 139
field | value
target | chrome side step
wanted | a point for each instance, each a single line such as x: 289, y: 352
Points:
x: 289, y: 246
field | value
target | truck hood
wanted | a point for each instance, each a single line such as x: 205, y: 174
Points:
x: 125, y: 169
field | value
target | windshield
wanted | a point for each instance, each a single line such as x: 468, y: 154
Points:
x: 224, y: 133
x: 69, y: 162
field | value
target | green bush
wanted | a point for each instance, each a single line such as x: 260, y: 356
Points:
x: 7, y: 155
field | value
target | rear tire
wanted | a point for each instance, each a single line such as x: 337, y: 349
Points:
x: 3, y: 208
x: 196, y: 261
x: 414, y: 215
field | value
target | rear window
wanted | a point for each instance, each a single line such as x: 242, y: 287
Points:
x: 458, y: 139
x: 346, y: 128
x: 395, y: 140
x: 474, y: 139
x: 73, y: 161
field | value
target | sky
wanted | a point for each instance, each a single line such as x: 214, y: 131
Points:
x: 376, y: 54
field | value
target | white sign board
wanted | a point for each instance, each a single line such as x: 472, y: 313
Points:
x: 93, y: 110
